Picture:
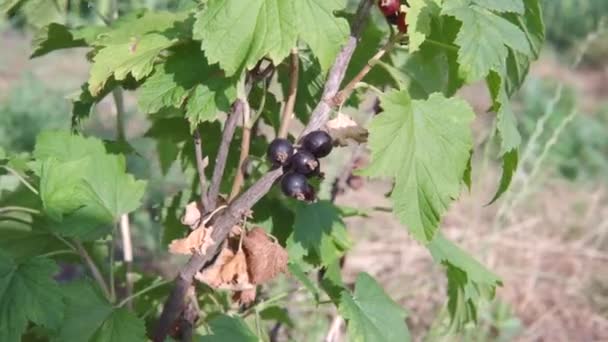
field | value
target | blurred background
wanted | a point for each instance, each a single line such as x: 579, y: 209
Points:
x: 547, y: 237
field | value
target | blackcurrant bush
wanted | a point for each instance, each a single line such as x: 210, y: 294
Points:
x: 318, y: 143
x: 389, y: 7
x: 304, y: 162
x: 279, y: 151
x: 296, y: 185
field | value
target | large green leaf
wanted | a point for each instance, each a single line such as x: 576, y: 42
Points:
x: 509, y: 166
x: 28, y: 293
x: 468, y: 281
x: 371, y: 314
x: 485, y: 36
x: 226, y: 328
x: 90, y: 317
x: 425, y: 147
x: 83, y: 188
x: 237, y: 34
x: 318, y: 232
x: 119, y: 60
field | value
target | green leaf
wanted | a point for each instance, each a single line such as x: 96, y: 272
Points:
x: 83, y: 101
x: 296, y: 271
x: 27, y: 293
x: 238, y: 34
x: 425, y: 147
x: 371, y: 314
x: 186, y: 76
x: 229, y: 329
x: 419, y: 18
x: 506, y: 122
x: 468, y: 281
x: 23, y: 240
x: 173, y: 25
x: 509, y: 166
x: 90, y: 317
x: 135, y: 57
x: 485, y: 36
x: 83, y: 188
x: 320, y: 29
x: 515, y: 6
x: 7, y: 5
x: 54, y: 37
x: 275, y: 313
x: 318, y: 232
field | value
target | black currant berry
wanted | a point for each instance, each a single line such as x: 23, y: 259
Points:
x: 296, y: 185
x: 318, y: 143
x: 279, y: 151
x: 304, y: 162
x: 389, y: 7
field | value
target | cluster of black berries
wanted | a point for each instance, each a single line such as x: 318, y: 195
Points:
x: 393, y: 14
x: 301, y: 163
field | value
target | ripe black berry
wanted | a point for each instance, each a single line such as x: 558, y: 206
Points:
x: 389, y: 7
x: 304, y: 162
x: 318, y: 143
x: 279, y: 151
x: 296, y: 185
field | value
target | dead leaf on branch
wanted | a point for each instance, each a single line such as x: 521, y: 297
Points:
x: 265, y: 257
x: 343, y: 127
x: 244, y: 297
x: 198, y: 241
x: 235, y: 270
x: 192, y: 215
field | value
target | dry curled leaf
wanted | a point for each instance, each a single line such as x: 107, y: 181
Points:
x: 343, y: 127
x: 265, y: 258
x: 211, y: 276
x: 235, y: 270
x: 198, y: 241
x: 192, y: 215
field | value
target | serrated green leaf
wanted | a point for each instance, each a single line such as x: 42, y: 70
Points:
x: 509, y: 166
x: 318, y: 230
x: 275, y: 313
x: 320, y: 29
x: 54, y: 37
x: 23, y: 241
x: 419, y: 18
x: 186, y: 76
x: 371, y: 314
x: 226, y: 328
x: 332, y: 282
x: 516, y: 6
x: 424, y: 146
x: 83, y: 188
x: 89, y: 317
x: 238, y: 34
x: 506, y: 122
x: 140, y: 23
x: 468, y: 281
x: 135, y: 57
x: 28, y: 293
x: 484, y: 38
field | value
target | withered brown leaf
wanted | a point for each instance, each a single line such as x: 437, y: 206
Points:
x: 265, y: 258
x: 343, y: 127
x: 198, y: 241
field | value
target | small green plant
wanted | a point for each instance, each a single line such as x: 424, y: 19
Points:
x: 219, y: 82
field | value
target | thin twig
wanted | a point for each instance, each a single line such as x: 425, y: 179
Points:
x: 227, y: 218
x: 222, y: 154
x: 294, y: 73
x: 21, y: 178
x: 245, y: 144
x: 93, y: 268
x: 343, y: 94
x: 201, y: 164
x: 127, y: 250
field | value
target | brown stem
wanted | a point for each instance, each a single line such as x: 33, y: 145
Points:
x: 343, y: 94
x: 245, y: 144
x: 231, y: 215
x: 201, y: 164
x: 222, y: 154
x: 294, y: 73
